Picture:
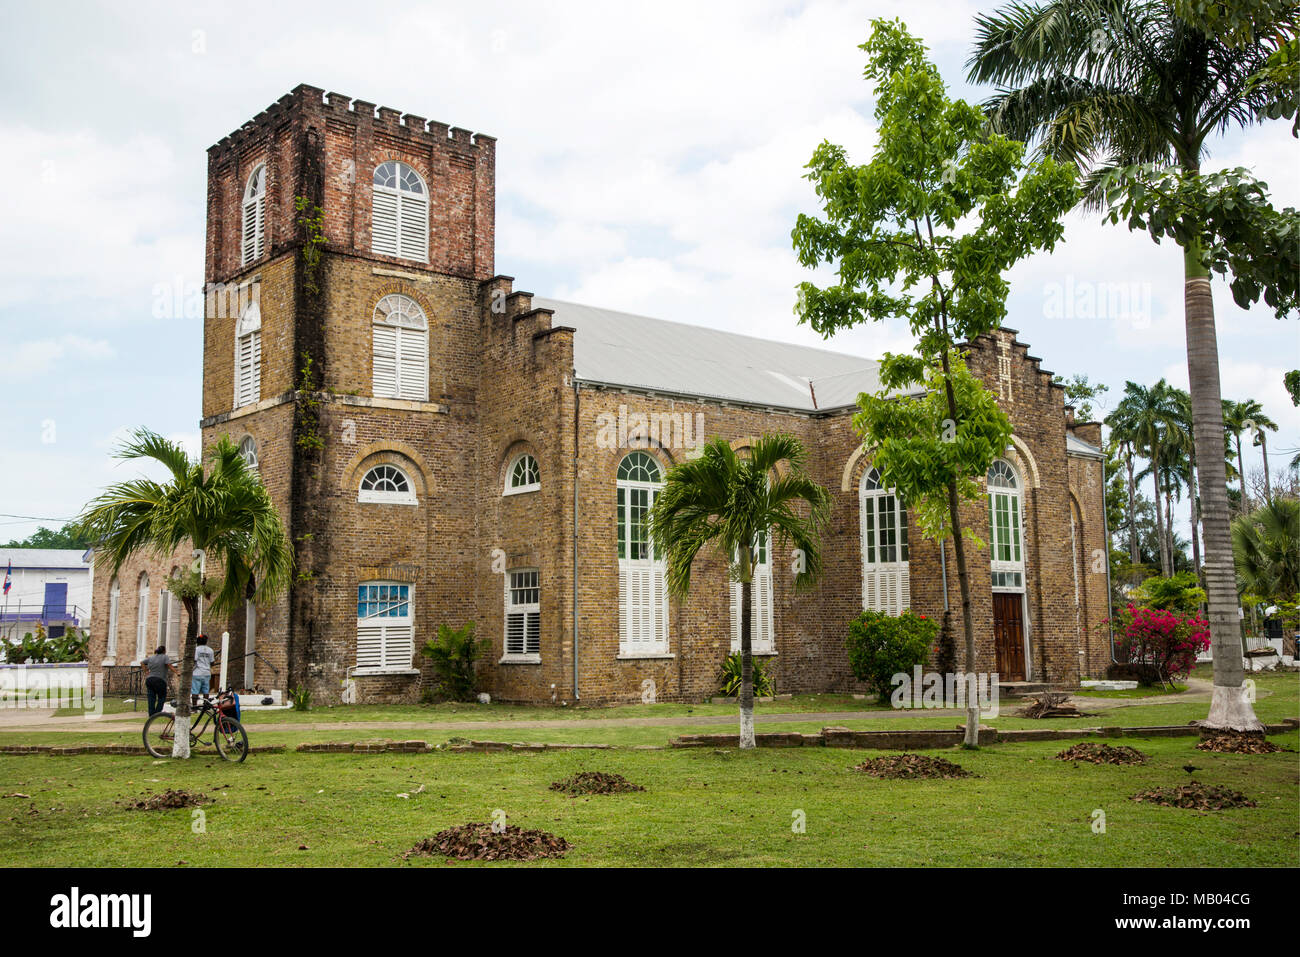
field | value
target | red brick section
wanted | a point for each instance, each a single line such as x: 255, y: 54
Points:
x: 500, y: 383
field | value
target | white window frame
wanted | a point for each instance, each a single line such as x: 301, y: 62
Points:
x: 387, y: 496
x: 142, y: 617
x: 642, y: 581
x: 253, y: 232
x: 1004, y: 483
x: 518, y: 461
x: 399, y: 213
x: 523, y: 614
x: 248, y: 356
x: 386, y: 642
x: 248, y: 452
x: 114, y: 603
x: 762, y: 637
x: 886, y: 574
x: 399, y: 349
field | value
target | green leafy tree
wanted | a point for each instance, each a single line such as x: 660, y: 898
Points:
x: 728, y: 501
x: 65, y: 537
x: 925, y: 232
x: 1081, y: 393
x: 1264, y: 545
x: 1131, y: 91
x: 453, y: 655
x: 1246, y: 416
x: 1149, y: 419
x: 225, y: 512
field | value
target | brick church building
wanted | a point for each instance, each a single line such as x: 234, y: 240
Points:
x: 444, y: 448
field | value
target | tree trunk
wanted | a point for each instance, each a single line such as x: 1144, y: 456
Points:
x: 1169, y: 526
x: 181, y: 726
x: 1160, y: 513
x: 1229, y: 707
x: 1241, y: 475
x: 746, y: 652
x: 1263, y: 451
x: 1194, y: 509
x: 1135, y: 557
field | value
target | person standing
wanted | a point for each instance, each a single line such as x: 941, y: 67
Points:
x: 203, y: 658
x: 156, y: 667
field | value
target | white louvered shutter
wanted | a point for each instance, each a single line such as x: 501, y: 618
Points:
x: 370, y: 646
x: 624, y: 598
x: 254, y: 229
x: 659, y: 605
x: 384, y: 224
x: 764, y: 632
x: 248, y: 371
x: 385, y: 385
x: 174, y: 630
x: 399, y: 647
x: 735, y: 615
x: 413, y: 234
x: 413, y: 364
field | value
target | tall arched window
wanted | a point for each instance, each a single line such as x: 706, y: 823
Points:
x: 114, y: 601
x: 1006, y: 556
x: 886, y: 584
x: 400, y: 212
x: 248, y: 452
x: 142, y: 617
x: 248, y: 356
x: 642, y: 575
x: 387, y: 484
x: 401, y: 349
x: 254, y: 234
x: 762, y: 631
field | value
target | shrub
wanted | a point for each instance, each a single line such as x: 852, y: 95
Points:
x: 301, y: 698
x: 452, y: 655
x: 1180, y: 593
x: 883, y: 645
x: 764, y: 684
x: 1159, y: 645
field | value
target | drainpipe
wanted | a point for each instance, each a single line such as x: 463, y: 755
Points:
x: 576, y: 695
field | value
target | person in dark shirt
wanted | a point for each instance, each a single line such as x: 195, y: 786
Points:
x: 156, y: 667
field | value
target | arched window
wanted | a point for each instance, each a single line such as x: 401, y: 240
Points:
x: 400, y: 212
x: 142, y: 617
x: 248, y: 356
x: 1006, y: 555
x: 762, y: 633
x: 524, y: 475
x: 642, y: 576
x: 387, y: 484
x: 114, y: 601
x: 248, y: 452
x: 401, y: 349
x: 254, y: 216
x: 385, y: 627
x: 886, y: 584
x: 171, y: 611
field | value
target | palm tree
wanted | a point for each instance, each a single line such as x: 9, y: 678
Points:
x: 1108, y: 84
x: 1264, y: 545
x: 729, y: 501
x: 226, y: 513
x: 1124, y: 433
x: 1150, y: 418
x: 1261, y: 439
x: 1239, y: 417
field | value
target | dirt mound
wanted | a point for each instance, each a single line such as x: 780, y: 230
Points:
x: 911, y: 766
x: 1103, y: 754
x: 595, y: 782
x: 478, y: 842
x: 1237, y: 742
x: 171, y: 799
x: 1196, y: 796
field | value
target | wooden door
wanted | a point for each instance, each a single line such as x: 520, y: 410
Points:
x: 1009, y: 635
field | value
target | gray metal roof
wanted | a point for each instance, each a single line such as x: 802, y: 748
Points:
x: 42, y: 558
x: 1076, y: 446
x: 623, y: 349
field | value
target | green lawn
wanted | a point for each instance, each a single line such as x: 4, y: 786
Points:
x: 701, y: 807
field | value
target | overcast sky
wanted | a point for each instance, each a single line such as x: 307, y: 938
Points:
x: 649, y: 159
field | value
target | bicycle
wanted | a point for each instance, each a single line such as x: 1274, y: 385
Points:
x: 228, y: 735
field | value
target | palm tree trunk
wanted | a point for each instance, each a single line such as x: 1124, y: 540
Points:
x: 1229, y: 706
x: 1134, y: 555
x: 746, y: 656
x: 1169, y: 526
x: 181, y: 726
x: 1160, y: 514
x: 1194, y: 509
x: 1263, y: 450
x: 1241, y: 475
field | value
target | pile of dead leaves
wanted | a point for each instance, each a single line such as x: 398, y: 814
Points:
x: 1103, y: 754
x: 1237, y: 742
x: 911, y: 766
x: 1196, y: 796
x: 170, y: 799
x: 478, y: 842
x: 595, y: 782
x: 1050, y: 704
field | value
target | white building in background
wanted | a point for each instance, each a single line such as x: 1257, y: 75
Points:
x: 46, y: 585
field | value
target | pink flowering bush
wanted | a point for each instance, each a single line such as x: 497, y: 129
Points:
x: 1159, y: 645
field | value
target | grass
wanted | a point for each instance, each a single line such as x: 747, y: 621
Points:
x: 701, y: 807
x: 1138, y: 692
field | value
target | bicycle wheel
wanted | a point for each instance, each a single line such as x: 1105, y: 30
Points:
x: 231, y: 739
x: 159, y: 734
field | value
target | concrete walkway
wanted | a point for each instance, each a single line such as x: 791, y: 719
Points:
x: 22, y: 720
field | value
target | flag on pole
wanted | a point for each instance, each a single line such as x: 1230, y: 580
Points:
x: 8, y: 574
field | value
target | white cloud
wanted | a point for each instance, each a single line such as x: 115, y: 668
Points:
x: 39, y: 357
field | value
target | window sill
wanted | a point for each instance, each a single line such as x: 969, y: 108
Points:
x: 378, y: 672
x: 520, y: 660
x: 755, y: 653
x: 644, y: 656
x: 522, y: 491
x: 387, y: 501
x: 108, y: 662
